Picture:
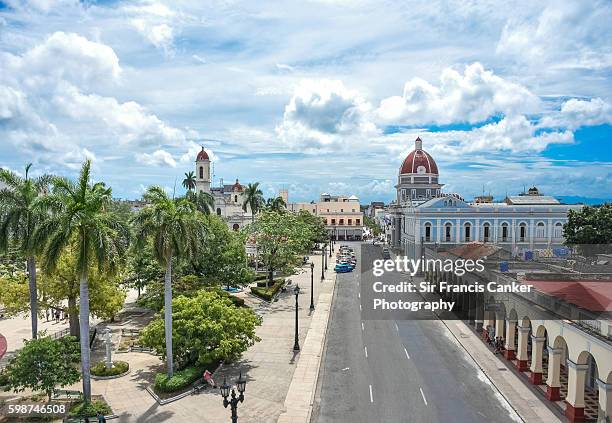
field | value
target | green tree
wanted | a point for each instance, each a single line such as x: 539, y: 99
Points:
x: 280, y: 237
x: 314, y: 227
x: 223, y: 258
x: 144, y: 268
x: 253, y: 199
x: 371, y: 224
x: 189, y: 183
x: 43, y: 364
x: 82, y: 221
x: 590, y: 228
x: 276, y: 204
x: 203, y: 201
x: 206, y: 327
x: 21, y: 213
x: 175, y: 232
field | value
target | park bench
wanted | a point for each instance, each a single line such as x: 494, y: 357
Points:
x: 66, y: 393
x: 140, y: 348
x: 200, y: 387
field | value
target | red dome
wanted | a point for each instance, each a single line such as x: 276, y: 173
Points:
x: 237, y: 186
x: 418, y: 157
x: 202, y: 155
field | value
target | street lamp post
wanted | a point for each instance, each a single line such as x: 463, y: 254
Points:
x: 296, y: 344
x: 322, y: 263
x: 312, y: 286
x: 331, y: 246
x: 234, y: 400
x: 325, y: 255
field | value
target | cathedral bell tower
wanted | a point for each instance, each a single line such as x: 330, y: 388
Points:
x: 202, y: 172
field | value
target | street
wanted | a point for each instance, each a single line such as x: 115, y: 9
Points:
x: 398, y: 371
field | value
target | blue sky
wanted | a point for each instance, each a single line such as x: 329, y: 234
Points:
x: 313, y: 96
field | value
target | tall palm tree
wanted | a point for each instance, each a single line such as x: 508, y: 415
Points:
x: 175, y: 230
x: 20, y: 215
x: 203, y: 201
x: 253, y: 199
x: 189, y: 183
x: 276, y: 204
x: 82, y: 219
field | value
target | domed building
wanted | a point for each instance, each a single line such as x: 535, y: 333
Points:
x: 229, y: 198
x: 424, y: 216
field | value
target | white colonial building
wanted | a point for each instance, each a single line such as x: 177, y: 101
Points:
x: 423, y: 215
x: 228, y: 198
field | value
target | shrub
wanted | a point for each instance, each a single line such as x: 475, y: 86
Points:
x: 180, y: 380
x: 267, y: 293
x: 91, y: 409
x: 4, y: 379
x: 117, y: 368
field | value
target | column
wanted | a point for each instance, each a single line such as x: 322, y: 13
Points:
x: 537, y: 353
x: 521, y: 359
x: 499, y: 326
x: 471, y: 308
x: 438, y: 231
x: 510, y: 347
x: 574, y: 408
x: 479, y: 312
x: 488, y: 319
x: 553, y: 381
x: 605, y: 400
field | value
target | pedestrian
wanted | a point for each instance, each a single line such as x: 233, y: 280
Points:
x: 101, y: 418
x: 47, y: 314
x: 57, y: 316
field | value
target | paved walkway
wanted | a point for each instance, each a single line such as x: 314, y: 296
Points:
x: 525, y: 402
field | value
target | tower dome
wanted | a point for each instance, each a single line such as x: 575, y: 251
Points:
x: 419, y: 161
x: 202, y: 155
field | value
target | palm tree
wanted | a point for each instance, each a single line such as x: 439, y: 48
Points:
x: 276, y: 204
x: 82, y: 220
x: 20, y: 215
x: 190, y: 181
x: 253, y: 199
x: 203, y: 201
x: 175, y: 230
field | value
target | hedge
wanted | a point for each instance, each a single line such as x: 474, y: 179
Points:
x: 117, y: 368
x: 267, y: 293
x: 90, y: 409
x: 181, y: 378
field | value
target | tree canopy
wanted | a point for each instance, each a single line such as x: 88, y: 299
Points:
x: 206, y: 327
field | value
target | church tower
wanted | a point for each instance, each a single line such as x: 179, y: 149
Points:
x: 418, y: 177
x: 202, y: 172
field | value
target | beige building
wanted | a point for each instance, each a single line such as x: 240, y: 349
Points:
x: 342, y: 215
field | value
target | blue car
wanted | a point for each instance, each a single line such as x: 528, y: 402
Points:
x: 343, y: 268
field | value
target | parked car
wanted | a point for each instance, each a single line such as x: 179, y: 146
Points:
x: 343, y: 268
x: 386, y: 254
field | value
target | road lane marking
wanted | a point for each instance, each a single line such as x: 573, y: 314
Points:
x: 423, y: 395
x: 396, y: 328
x: 407, y: 355
x: 362, y: 327
x: 359, y: 294
x: 359, y: 306
x: 371, y: 396
x: 366, y: 351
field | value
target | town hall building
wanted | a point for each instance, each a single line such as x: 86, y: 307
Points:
x: 424, y: 216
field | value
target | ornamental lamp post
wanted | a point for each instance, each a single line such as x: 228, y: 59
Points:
x: 331, y: 246
x: 296, y: 344
x: 312, y: 307
x: 234, y: 400
x: 322, y: 263
x: 325, y: 255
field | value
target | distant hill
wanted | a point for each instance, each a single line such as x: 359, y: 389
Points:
x: 573, y: 199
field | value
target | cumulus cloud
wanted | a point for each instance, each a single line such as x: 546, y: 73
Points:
x: 161, y: 35
x: 564, y: 35
x: 322, y: 114
x: 472, y: 96
x: 157, y: 158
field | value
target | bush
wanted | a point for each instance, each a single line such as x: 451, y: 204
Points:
x: 91, y: 409
x: 260, y: 277
x: 117, y: 368
x: 267, y: 293
x: 180, y: 380
x: 4, y: 379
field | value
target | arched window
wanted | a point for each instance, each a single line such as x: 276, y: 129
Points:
x: 236, y: 227
x: 428, y: 231
x: 540, y: 230
x: 486, y: 232
x: 467, y: 230
x: 558, y: 230
x: 522, y: 232
x: 201, y: 172
x: 218, y: 211
x: 504, y: 230
x: 235, y: 198
x: 448, y: 232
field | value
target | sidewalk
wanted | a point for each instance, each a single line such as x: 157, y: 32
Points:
x: 523, y: 400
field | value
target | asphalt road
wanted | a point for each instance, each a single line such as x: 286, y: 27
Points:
x: 398, y: 371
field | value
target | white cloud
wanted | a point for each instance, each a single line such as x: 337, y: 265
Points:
x: 323, y: 114
x: 473, y: 97
x: 157, y: 158
x: 161, y: 35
